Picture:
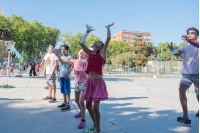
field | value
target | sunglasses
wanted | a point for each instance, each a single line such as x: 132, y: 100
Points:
x: 190, y: 33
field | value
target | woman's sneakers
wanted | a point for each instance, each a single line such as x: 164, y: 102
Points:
x: 78, y: 115
x: 184, y: 120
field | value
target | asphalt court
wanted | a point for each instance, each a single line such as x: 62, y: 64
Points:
x: 135, y: 105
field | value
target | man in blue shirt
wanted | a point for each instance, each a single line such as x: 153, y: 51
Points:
x: 32, y: 68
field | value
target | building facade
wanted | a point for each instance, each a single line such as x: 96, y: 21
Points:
x: 132, y: 36
x: 1, y: 10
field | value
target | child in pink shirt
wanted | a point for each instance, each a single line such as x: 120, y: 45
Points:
x: 80, y: 80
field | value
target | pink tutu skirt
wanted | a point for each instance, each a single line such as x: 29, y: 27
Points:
x: 95, y: 90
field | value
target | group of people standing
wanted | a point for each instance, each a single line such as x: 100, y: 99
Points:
x: 89, y: 82
x: 7, y: 68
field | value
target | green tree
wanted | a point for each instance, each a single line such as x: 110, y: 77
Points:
x: 125, y: 58
x: 166, y: 52
x: 117, y: 48
x: 144, y: 51
x: 28, y: 35
x: 2, y: 49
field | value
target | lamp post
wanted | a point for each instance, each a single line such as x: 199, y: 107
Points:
x: 135, y: 64
x: 161, y: 60
x: 36, y: 54
x: 10, y: 46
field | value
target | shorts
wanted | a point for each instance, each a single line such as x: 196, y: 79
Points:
x: 188, y: 79
x: 37, y: 70
x: 79, y: 86
x: 51, y: 82
x: 95, y: 90
x: 11, y: 70
x: 65, y: 86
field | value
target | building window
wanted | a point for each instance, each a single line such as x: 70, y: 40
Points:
x: 148, y: 41
x: 130, y: 36
x: 144, y: 40
x: 144, y: 37
x: 148, y: 37
x: 131, y: 40
x: 131, y: 44
x: 125, y: 40
x: 125, y: 35
x: 138, y: 36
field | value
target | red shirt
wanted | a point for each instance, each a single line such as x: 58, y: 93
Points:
x: 37, y: 67
x: 95, y: 63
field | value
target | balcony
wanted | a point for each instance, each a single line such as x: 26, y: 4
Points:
x: 137, y: 36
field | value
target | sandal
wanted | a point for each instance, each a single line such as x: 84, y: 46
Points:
x: 91, y: 130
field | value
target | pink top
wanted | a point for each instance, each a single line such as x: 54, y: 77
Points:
x: 190, y: 59
x: 79, y: 70
x: 95, y: 63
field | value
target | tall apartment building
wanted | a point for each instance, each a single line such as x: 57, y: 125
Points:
x: 1, y: 10
x: 132, y: 36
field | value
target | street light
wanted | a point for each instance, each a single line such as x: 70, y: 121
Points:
x: 10, y: 46
x: 36, y: 54
x: 135, y: 64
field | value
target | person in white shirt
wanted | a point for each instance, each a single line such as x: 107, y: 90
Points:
x: 190, y: 70
x: 41, y: 65
x: 50, y: 65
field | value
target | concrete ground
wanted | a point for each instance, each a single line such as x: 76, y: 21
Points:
x: 135, y: 105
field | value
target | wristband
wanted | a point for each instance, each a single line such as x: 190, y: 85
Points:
x: 173, y: 52
x: 57, y: 74
x: 83, y: 38
x: 43, y: 71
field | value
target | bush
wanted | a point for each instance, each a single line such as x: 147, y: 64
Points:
x: 112, y: 67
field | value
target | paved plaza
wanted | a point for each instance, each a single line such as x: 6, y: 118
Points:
x: 135, y: 105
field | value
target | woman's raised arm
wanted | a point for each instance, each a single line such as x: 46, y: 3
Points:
x: 108, y: 39
x: 84, y: 47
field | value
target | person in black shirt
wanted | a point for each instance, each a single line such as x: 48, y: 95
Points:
x: 32, y: 69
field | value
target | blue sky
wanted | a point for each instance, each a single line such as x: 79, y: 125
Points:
x: 167, y: 20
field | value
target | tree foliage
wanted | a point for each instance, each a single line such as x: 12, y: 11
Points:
x: 117, y: 48
x: 2, y: 49
x: 27, y: 35
x: 125, y: 58
x: 166, y: 52
x: 143, y: 51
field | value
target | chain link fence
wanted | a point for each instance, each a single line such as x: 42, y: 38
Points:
x: 167, y: 68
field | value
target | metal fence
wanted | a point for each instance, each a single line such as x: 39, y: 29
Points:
x: 172, y: 68
x: 152, y: 67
